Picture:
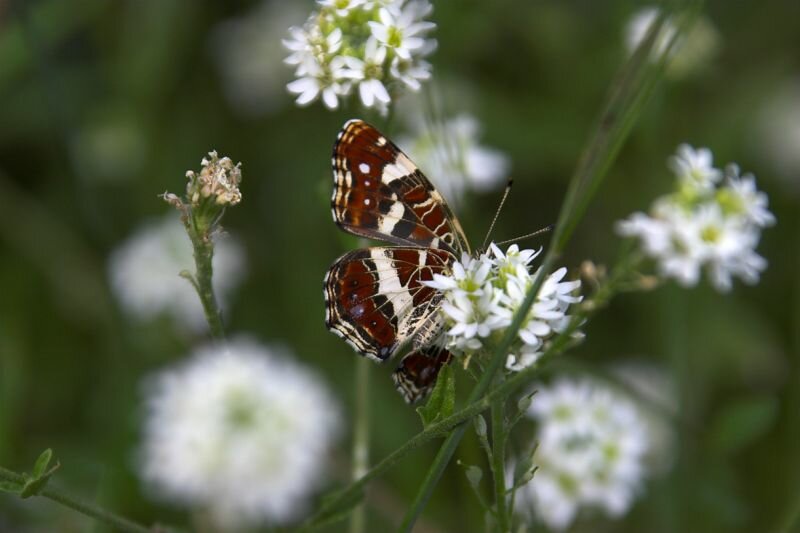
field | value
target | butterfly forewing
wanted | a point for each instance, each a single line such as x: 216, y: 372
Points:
x: 375, y: 298
x: 380, y: 193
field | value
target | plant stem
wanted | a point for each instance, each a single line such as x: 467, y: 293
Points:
x: 499, y: 464
x: 203, y: 247
x: 360, y: 438
x: 101, y: 515
x: 628, y: 93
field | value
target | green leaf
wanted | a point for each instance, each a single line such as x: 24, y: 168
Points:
x: 40, y: 467
x: 442, y: 402
x: 10, y: 486
x: 741, y: 422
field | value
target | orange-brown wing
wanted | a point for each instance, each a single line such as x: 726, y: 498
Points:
x: 376, y: 301
x: 380, y: 193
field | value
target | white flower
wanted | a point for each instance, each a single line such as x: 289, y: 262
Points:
x: 410, y: 72
x: 401, y: 29
x: 367, y: 73
x: 482, y: 294
x: 318, y: 82
x: 342, y: 7
x: 592, y: 444
x: 739, y: 196
x: 240, y: 431
x: 695, y: 167
x: 704, y: 225
x: 143, y: 272
x: 449, y: 153
x: 376, y: 46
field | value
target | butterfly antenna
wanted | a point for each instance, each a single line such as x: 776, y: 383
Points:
x: 497, y: 213
x: 529, y: 235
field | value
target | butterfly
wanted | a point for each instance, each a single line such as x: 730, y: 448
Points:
x: 375, y: 298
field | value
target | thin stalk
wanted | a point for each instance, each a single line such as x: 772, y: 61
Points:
x: 360, y: 438
x: 117, y: 522
x: 584, y: 183
x: 612, y: 128
x: 203, y: 247
x: 499, y: 434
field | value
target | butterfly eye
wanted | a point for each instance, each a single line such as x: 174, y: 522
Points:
x: 354, y: 283
x: 373, y: 323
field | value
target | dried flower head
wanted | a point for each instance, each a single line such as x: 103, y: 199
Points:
x: 219, y: 180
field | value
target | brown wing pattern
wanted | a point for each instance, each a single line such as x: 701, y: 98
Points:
x: 416, y: 375
x: 380, y: 193
x: 374, y: 298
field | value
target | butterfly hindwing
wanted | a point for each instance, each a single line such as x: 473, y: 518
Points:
x: 380, y: 193
x: 375, y: 298
x: 416, y: 375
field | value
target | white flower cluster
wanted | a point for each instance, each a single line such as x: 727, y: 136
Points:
x: 376, y: 46
x: 452, y: 157
x: 143, y: 272
x: 482, y: 294
x: 592, y: 448
x: 240, y: 431
x: 713, y: 220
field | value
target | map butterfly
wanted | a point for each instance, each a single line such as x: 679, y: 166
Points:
x: 374, y: 297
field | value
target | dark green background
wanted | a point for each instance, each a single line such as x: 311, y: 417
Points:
x: 535, y: 74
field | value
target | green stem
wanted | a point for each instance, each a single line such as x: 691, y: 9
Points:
x: 628, y: 94
x: 360, y: 438
x: 117, y: 522
x: 499, y: 465
x: 203, y: 247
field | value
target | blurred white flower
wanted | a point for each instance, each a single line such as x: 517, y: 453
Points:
x: 481, y: 295
x: 639, y: 24
x: 777, y: 135
x: 240, y: 431
x: 592, y: 443
x: 695, y: 167
x: 706, y: 223
x: 450, y: 155
x: 657, y: 403
x: 377, y: 46
x: 690, y: 52
x: 144, y: 272
x: 249, y: 57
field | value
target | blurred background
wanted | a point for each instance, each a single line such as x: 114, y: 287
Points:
x: 106, y: 104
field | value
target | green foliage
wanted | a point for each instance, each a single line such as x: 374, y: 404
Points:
x: 442, y: 400
x: 741, y: 422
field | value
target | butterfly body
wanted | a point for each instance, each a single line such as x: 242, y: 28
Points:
x: 376, y: 298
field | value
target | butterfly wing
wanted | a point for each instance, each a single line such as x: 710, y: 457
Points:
x: 416, y: 375
x: 376, y: 301
x: 380, y: 193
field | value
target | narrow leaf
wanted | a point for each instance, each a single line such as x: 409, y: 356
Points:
x: 741, y: 423
x: 442, y: 402
x: 40, y: 467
